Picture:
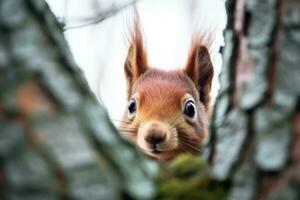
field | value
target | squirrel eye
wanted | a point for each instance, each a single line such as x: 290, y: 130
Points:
x: 189, y: 109
x: 132, y: 106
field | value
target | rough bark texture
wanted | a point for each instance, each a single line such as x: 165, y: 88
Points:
x: 256, y: 135
x: 55, y: 140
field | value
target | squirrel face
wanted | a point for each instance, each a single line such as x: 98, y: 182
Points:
x: 167, y: 110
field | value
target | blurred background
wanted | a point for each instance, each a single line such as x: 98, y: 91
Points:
x: 97, y: 31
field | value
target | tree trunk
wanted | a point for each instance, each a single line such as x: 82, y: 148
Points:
x: 256, y: 126
x: 55, y: 140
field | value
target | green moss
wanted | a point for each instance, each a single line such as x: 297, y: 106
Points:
x: 188, y: 177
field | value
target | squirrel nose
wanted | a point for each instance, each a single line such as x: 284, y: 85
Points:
x: 155, y: 137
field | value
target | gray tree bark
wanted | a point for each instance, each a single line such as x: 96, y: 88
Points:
x: 55, y: 140
x: 256, y: 126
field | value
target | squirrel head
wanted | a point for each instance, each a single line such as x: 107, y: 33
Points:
x: 167, y: 110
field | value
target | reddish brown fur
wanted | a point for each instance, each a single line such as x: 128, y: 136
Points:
x: 199, y: 55
x: 158, y: 85
x: 160, y: 98
x: 139, y: 64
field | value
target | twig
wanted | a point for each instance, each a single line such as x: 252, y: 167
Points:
x: 106, y: 14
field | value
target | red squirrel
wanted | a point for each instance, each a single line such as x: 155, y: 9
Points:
x: 167, y: 112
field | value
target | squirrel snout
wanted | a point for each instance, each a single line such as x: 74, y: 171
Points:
x: 155, y: 133
x: 155, y: 136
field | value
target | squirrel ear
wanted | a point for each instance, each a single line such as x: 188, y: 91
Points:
x: 136, y: 62
x: 200, y: 70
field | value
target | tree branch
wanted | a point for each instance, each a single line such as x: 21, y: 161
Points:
x: 106, y: 14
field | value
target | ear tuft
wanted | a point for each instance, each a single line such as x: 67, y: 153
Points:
x: 136, y: 62
x: 200, y: 69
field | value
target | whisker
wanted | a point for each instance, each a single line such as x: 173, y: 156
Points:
x: 122, y: 120
x: 128, y: 128
x: 173, y: 122
x: 192, y: 143
x: 191, y: 146
x: 185, y: 149
x: 127, y: 122
x: 203, y: 124
x: 127, y: 132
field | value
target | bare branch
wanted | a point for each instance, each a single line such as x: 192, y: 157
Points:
x: 106, y: 14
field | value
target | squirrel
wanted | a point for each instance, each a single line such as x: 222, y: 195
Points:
x: 167, y: 112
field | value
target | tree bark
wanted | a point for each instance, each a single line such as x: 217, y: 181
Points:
x: 55, y: 140
x: 256, y: 125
